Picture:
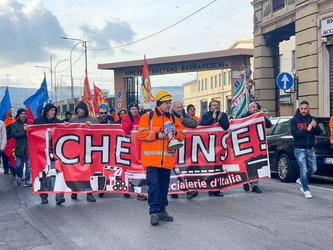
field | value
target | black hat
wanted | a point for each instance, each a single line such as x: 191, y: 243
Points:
x: 68, y: 113
x: 19, y: 111
x: 82, y: 105
x: 48, y: 107
x: 132, y: 104
x: 189, y: 106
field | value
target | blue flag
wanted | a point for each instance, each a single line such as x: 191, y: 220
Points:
x: 38, y: 99
x: 5, y: 105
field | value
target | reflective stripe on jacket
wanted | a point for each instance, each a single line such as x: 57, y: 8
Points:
x: 154, y: 152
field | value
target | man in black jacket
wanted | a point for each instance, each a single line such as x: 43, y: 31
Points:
x: 254, y: 107
x: 303, y: 128
x: 19, y: 132
x: 212, y: 116
x: 49, y: 116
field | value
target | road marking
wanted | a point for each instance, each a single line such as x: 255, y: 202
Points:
x: 327, y: 189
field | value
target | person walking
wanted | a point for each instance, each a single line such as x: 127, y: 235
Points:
x: 214, y: 115
x: 303, y: 128
x: 82, y: 116
x: 128, y: 121
x: 254, y: 107
x: 19, y: 132
x: 156, y: 157
x: 49, y: 116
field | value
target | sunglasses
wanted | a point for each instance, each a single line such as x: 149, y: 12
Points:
x: 103, y: 113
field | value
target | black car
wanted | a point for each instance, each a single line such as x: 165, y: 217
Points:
x: 281, y: 149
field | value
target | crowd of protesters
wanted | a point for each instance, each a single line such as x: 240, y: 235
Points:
x: 158, y: 164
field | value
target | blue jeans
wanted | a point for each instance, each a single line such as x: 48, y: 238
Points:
x: 19, y: 167
x: 306, y: 159
x: 158, y: 185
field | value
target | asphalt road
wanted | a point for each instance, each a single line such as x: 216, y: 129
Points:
x: 279, y: 218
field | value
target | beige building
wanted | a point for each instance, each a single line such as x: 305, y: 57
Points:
x: 309, y: 25
x: 214, y: 84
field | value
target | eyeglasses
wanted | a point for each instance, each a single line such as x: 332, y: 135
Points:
x: 103, y: 113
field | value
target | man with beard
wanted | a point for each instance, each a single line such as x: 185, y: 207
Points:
x: 303, y: 128
x: 214, y: 115
x: 49, y: 116
x: 187, y: 121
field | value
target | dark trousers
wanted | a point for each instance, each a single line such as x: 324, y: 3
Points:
x: 6, y: 164
x: 158, y: 185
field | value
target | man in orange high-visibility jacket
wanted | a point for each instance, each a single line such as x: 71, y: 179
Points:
x: 155, y: 155
x: 331, y: 128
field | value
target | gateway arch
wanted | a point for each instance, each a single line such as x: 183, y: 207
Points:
x: 126, y: 73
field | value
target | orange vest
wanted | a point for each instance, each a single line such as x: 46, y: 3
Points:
x: 195, y: 117
x: 9, y: 120
x: 154, y: 152
x: 331, y: 127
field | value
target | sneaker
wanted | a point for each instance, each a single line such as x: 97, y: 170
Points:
x: 61, y: 200
x: 74, y: 196
x: 90, y: 198
x: 18, y: 181
x: 307, y: 195
x: 246, y: 187
x: 256, y: 189
x: 163, y: 215
x: 298, y: 181
x: 44, y: 201
x: 27, y: 184
x: 174, y: 196
x: 192, y: 194
x: 154, y: 219
x: 141, y: 197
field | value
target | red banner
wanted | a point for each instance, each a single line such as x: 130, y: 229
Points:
x: 101, y: 158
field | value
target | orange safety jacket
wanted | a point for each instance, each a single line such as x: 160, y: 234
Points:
x: 154, y: 152
x: 331, y: 127
x: 195, y: 117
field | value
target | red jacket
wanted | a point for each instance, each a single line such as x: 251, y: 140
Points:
x: 128, y: 124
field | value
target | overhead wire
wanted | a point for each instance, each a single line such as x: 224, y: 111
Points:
x: 158, y: 32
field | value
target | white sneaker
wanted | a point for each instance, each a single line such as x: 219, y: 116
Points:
x: 307, y: 195
x: 298, y: 181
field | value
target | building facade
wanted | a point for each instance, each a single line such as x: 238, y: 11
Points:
x: 309, y: 23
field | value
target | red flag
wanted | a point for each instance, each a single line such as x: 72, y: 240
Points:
x: 30, y: 115
x: 99, y: 97
x: 146, y: 87
x: 87, y: 98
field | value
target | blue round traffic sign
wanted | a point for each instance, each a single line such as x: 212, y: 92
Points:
x: 119, y: 94
x: 236, y: 84
x: 284, y: 81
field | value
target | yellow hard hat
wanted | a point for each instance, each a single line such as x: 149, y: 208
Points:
x: 163, y: 96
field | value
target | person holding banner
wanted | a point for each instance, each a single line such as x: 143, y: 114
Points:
x: 254, y: 107
x: 191, y: 111
x: 187, y: 121
x: 83, y: 116
x: 127, y: 122
x: 49, y: 116
x: 303, y: 128
x: 156, y: 157
x: 19, y: 132
x: 212, y: 116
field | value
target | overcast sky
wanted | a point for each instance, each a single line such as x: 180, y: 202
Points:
x: 31, y: 30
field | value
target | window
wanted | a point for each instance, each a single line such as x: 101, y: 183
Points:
x: 229, y: 77
x: 211, y: 82
x: 282, y: 127
x: 220, y: 76
x: 205, y: 83
x: 277, y: 5
x: 198, y: 85
x: 224, y: 80
x: 215, y: 81
x: 202, y: 84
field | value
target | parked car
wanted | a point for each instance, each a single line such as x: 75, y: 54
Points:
x: 281, y: 149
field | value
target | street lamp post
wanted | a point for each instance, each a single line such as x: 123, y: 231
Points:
x: 84, y: 43
x: 55, y: 77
